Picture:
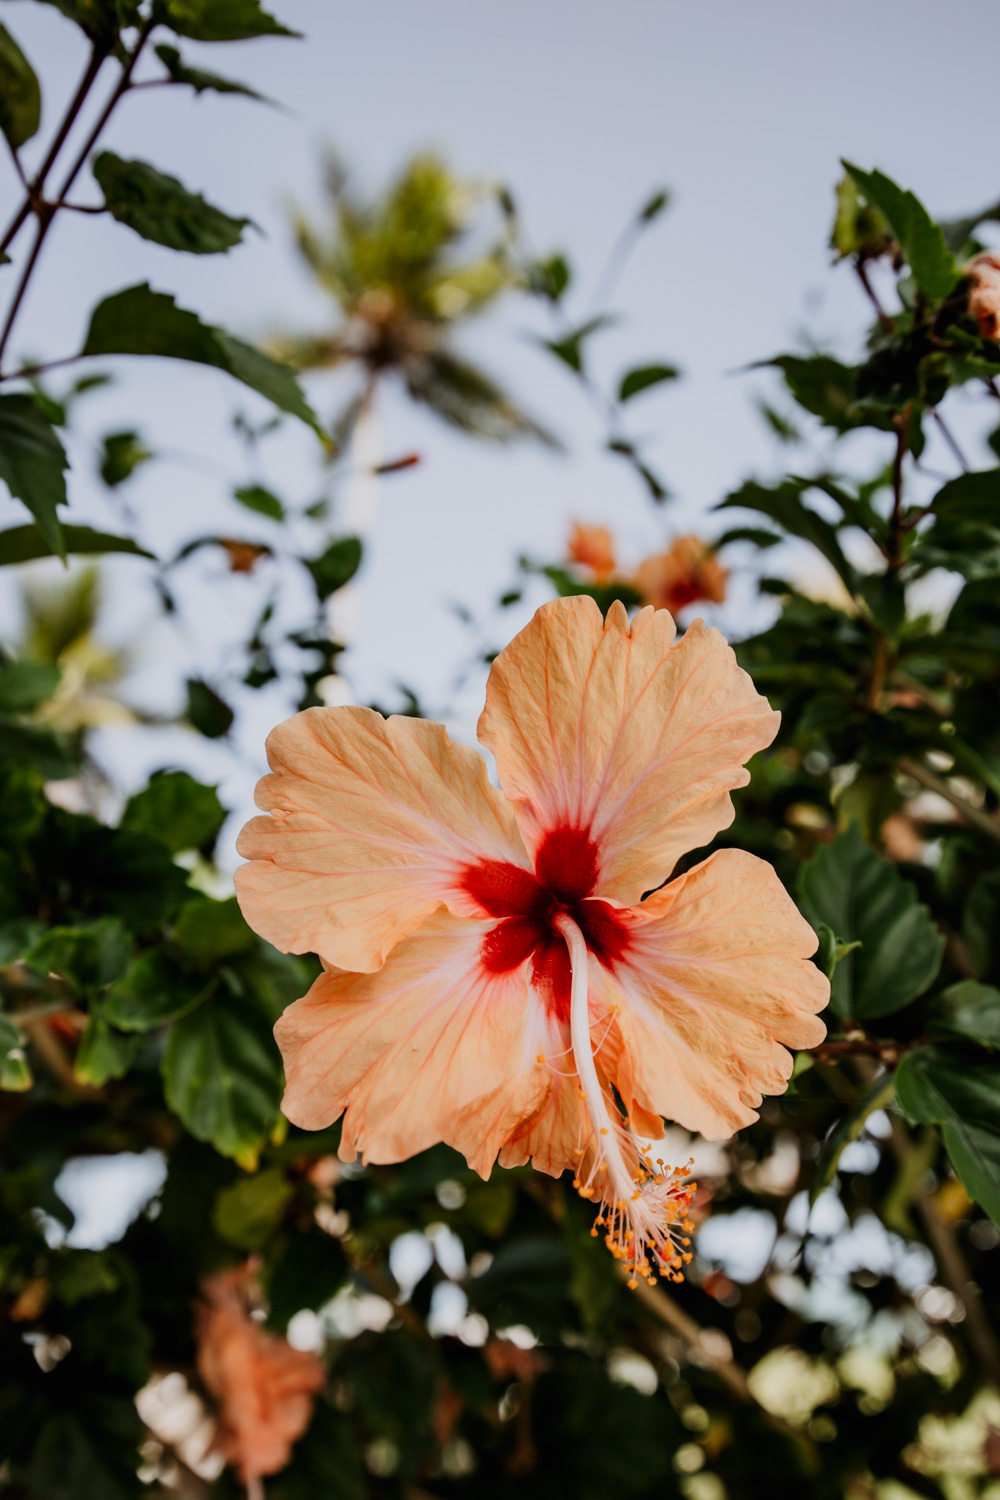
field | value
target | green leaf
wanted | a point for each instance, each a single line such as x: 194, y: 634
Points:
x: 756, y: 535
x: 940, y: 1086
x: 879, y: 1096
x: 208, y: 931
x: 100, y: 20
x: 198, y: 79
x: 26, y: 685
x: 33, y: 464
x: 654, y: 206
x: 89, y: 957
x: 248, y: 1213
x: 206, y: 711
x: 921, y: 240
x: 24, y: 744
x: 141, y: 321
x: 831, y: 950
x: 783, y: 503
x: 968, y: 1010
x: 222, y: 1075
x: 886, y: 599
x: 256, y: 497
x: 20, y: 96
x: 823, y: 386
x: 161, y: 209
x: 181, y: 812
x: 862, y: 897
x: 122, y: 453
x: 15, y: 1074
x: 153, y: 991
x: 103, y: 1053
x: 859, y: 229
x: 570, y: 348
x: 336, y: 566
x: 970, y: 497
x: 550, y: 278
x: 219, y: 20
x: 24, y: 543
x: 643, y: 377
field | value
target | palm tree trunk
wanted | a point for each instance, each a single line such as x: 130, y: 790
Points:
x: 343, y: 608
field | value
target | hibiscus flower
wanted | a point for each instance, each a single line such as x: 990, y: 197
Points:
x: 507, y: 971
x: 264, y: 1388
x: 686, y: 572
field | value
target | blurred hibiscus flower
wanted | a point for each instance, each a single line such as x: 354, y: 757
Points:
x: 506, y: 971
x: 263, y: 1388
x: 685, y: 574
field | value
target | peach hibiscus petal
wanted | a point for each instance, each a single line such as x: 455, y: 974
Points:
x: 433, y: 1047
x: 371, y: 823
x: 718, y: 985
x: 625, y: 735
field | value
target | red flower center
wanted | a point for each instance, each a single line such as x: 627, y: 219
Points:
x: 565, y: 874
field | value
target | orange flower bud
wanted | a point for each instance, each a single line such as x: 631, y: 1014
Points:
x: 686, y: 572
x: 593, y: 548
x: 983, y: 272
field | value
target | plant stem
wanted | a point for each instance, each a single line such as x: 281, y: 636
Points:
x: 983, y: 822
x: 663, y: 1307
x: 46, y: 212
x: 35, y: 187
x: 885, y: 320
x: 945, y: 432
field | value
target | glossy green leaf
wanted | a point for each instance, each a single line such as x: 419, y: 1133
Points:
x: 783, y: 503
x: 26, y: 685
x: 256, y: 497
x: 103, y: 1053
x: 207, y: 711
x: 24, y: 543
x: 823, y: 386
x: 15, y: 1073
x: 160, y: 208
x: 153, y: 991
x: 121, y: 454
x: 222, y: 1075
x: 941, y: 1086
x: 20, y: 95
x: 198, y: 79
x: 643, y: 378
x: 968, y: 1010
x: 33, y: 464
x: 141, y: 321
x: 336, y: 566
x: 207, y: 931
x: 181, y: 812
x: 88, y: 957
x: 971, y: 497
x: 248, y: 1213
x: 863, y: 898
x: 219, y: 20
x: 920, y: 239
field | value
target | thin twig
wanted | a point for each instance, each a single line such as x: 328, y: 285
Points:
x: 949, y: 439
x: 663, y: 1306
x: 983, y: 822
x: 884, y: 319
x: 37, y: 184
x: 45, y: 211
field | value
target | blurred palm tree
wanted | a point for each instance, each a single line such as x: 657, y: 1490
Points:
x: 394, y: 268
x: 404, y: 274
x: 60, y: 626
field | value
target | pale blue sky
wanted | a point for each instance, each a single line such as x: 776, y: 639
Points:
x: 582, y: 107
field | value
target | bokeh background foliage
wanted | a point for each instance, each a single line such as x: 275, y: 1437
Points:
x: 837, y: 1335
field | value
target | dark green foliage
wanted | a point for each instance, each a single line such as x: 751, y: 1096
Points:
x: 141, y: 321
x: 23, y: 543
x: 197, y: 78
x: 336, y: 566
x: 160, y: 208
x: 20, y: 95
x: 33, y: 463
x: 209, y: 713
x: 123, y: 453
x: 178, y: 810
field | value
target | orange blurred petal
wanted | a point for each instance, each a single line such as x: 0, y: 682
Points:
x: 687, y: 572
x: 983, y: 272
x: 592, y: 547
x: 623, y: 734
x: 263, y: 1387
x: 372, y: 821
